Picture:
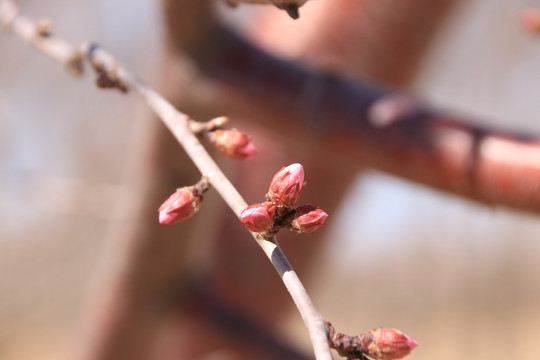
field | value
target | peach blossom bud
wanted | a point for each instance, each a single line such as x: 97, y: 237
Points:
x: 308, y: 218
x: 390, y: 344
x: 233, y: 143
x: 180, y: 206
x: 258, y: 217
x: 287, y: 185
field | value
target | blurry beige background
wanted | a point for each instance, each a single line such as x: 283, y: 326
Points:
x: 458, y: 277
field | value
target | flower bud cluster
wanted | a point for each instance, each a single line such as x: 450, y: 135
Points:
x: 279, y: 211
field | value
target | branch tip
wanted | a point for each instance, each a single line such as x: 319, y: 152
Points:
x: 292, y: 10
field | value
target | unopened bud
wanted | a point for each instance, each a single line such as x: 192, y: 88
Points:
x: 258, y: 217
x: 389, y: 344
x: 308, y: 218
x: 233, y: 143
x: 180, y: 206
x: 287, y: 185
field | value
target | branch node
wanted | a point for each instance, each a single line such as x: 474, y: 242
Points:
x: 105, y: 66
x: 43, y: 27
x: 351, y: 347
x: 200, y: 128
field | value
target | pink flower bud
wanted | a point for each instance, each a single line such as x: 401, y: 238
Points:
x: 233, y: 143
x: 287, y: 185
x: 308, y: 218
x: 180, y: 206
x: 389, y: 344
x: 258, y: 217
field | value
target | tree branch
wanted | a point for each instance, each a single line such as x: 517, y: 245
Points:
x: 370, y: 125
x: 111, y: 73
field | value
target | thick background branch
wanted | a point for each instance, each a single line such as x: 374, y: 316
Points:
x: 359, y: 122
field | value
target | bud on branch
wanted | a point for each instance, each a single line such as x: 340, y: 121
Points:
x: 286, y: 186
x: 233, y: 143
x: 277, y: 212
x: 258, y: 217
x: 308, y: 218
x: 389, y: 344
x: 183, y: 203
x: 380, y: 344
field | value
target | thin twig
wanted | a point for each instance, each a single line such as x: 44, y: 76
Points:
x: 290, y: 6
x: 106, y: 65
